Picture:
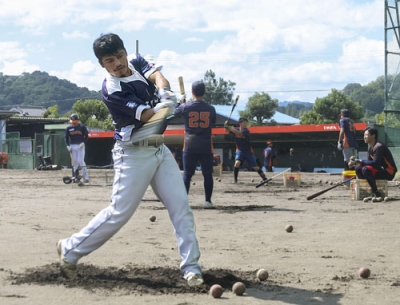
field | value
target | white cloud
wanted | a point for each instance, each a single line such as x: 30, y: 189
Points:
x: 75, y: 34
x: 17, y: 67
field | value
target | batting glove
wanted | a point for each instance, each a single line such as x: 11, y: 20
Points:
x: 182, y: 99
x: 339, y: 146
x: 69, y: 148
x: 164, y: 104
x: 167, y: 94
x: 81, y: 146
x: 226, y: 124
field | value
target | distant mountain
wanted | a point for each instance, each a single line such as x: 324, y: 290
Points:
x: 286, y: 103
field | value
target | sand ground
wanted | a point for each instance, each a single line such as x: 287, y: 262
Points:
x: 317, y: 263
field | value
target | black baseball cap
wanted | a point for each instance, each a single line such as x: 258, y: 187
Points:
x: 242, y: 120
x: 198, y: 88
x: 345, y: 112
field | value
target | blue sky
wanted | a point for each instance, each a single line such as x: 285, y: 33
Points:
x: 294, y: 50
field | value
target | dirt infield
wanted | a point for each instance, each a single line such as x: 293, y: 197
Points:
x: 317, y: 263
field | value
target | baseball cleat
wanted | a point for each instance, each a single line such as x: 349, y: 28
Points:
x: 67, y: 269
x: 208, y: 205
x: 194, y: 280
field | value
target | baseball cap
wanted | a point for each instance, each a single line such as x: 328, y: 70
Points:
x: 242, y: 120
x: 345, y: 112
x: 74, y: 117
x: 198, y: 88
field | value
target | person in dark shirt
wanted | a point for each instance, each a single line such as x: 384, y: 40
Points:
x: 76, y: 136
x: 244, y: 150
x: 347, y: 142
x: 269, y: 157
x: 199, y: 118
x: 380, y: 164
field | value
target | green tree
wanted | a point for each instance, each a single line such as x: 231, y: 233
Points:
x: 92, y: 113
x: 311, y: 117
x: 259, y: 108
x: 328, y: 109
x: 392, y: 120
x: 51, y: 112
x: 371, y: 97
x: 218, y: 92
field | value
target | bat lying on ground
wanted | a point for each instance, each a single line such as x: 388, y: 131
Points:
x: 266, y: 181
x: 329, y: 188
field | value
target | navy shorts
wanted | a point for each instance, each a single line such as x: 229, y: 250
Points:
x: 248, y: 157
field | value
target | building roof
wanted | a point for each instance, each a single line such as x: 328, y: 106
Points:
x: 29, y: 110
x: 278, y: 117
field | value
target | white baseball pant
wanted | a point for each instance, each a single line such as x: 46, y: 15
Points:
x: 135, y: 169
x: 78, y: 159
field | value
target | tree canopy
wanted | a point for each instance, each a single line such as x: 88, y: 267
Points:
x: 327, y: 109
x: 259, y: 108
x: 218, y: 92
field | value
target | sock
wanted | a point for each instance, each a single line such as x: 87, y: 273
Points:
x: 236, y: 173
x: 262, y: 175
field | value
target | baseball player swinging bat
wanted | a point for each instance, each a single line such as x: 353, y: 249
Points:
x: 328, y: 189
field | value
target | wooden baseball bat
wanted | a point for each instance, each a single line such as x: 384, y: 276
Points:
x: 329, y: 188
x: 266, y: 181
x: 181, y: 85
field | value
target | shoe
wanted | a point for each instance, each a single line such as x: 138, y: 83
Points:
x: 86, y: 181
x: 67, y: 269
x: 234, y: 181
x: 209, y: 205
x: 194, y: 280
x: 373, y: 196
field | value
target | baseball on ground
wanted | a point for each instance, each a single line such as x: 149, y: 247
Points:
x: 262, y: 274
x: 364, y: 272
x: 153, y: 218
x: 216, y: 291
x: 289, y: 228
x: 238, y: 288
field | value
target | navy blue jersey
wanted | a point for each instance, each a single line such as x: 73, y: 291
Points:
x: 349, y: 139
x: 76, y: 134
x: 127, y: 97
x: 199, y: 119
x: 243, y: 142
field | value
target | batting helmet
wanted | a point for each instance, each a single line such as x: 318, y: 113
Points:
x: 74, y: 117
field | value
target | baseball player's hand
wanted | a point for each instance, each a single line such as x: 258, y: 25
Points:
x: 81, y: 146
x: 69, y: 148
x: 354, y: 161
x: 164, y: 104
x: 167, y: 94
x: 339, y: 146
x: 226, y: 124
x: 182, y: 99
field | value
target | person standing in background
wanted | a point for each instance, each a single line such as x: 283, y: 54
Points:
x: 347, y: 142
x: 76, y: 136
x: 269, y: 157
x: 199, y: 118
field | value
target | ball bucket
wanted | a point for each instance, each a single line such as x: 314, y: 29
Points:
x: 347, y: 174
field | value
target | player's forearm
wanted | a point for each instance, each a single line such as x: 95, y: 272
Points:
x: 146, y: 115
x: 159, y: 80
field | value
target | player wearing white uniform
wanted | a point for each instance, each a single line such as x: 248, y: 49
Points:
x: 76, y: 136
x: 131, y: 95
